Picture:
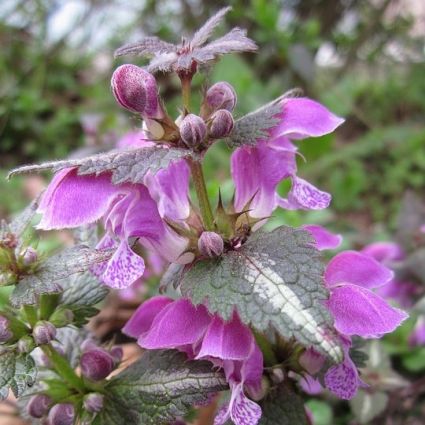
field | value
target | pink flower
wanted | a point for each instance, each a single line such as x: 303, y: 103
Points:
x: 129, y: 211
x: 389, y: 253
x: 357, y: 310
x: 417, y: 337
x: 257, y: 170
x: 162, y: 323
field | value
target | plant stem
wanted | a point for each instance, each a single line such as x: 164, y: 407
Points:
x: 196, y: 166
x: 63, y: 368
x: 201, y: 192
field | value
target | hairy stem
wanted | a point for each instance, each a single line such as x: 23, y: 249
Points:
x: 63, y: 368
x: 201, y: 192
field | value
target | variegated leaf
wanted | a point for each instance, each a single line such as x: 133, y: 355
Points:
x: 275, y: 279
x: 129, y: 166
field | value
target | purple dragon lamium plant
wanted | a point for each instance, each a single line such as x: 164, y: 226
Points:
x: 250, y: 316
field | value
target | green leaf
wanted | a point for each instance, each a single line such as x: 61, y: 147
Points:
x: 283, y: 406
x: 257, y: 124
x: 321, y: 411
x: 367, y: 406
x: 83, y: 290
x: 414, y: 361
x: 20, y: 223
x: 159, y: 387
x: 17, y: 372
x: 274, y: 279
x: 70, y: 261
x: 126, y: 166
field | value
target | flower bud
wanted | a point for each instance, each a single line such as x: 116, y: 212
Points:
x: 62, y: 414
x: 5, y: 332
x: 210, y: 244
x: 193, y: 130
x: 221, y: 96
x: 26, y: 344
x: 96, y: 364
x: 39, y: 405
x: 221, y: 124
x: 135, y: 89
x: 43, y: 332
x: 29, y: 256
x: 61, y: 317
x: 93, y: 402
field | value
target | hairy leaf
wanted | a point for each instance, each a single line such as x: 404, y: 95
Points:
x: 149, y: 46
x: 275, y: 279
x: 20, y: 223
x: 159, y: 387
x: 83, y: 290
x: 126, y: 166
x: 283, y: 406
x: 172, y: 276
x: 17, y: 372
x: 257, y: 125
x: 70, y: 261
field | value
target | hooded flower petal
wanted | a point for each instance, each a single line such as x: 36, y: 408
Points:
x: 358, y: 311
x: 179, y: 324
x: 72, y: 200
x: 384, y: 251
x: 256, y: 172
x: 124, y: 268
x: 356, y: 268
x: 302, y: 117
x: 170, y: 189
x: 324, y: 239
x: 304, y: 196
x: 227, y: 341
x: 343, y: 379
x: 143, y: 317
x: 241, y: 410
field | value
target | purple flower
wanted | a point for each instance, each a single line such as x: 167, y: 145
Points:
x: 129, y: 211
x: 357, y: 310
x: 162, y: 323
x: 343, y: 379
x: 389, y: 253
x: 324, y: 239
x: 257, y: 170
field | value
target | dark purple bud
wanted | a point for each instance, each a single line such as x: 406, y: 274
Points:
x: 39, y: 405
x: 29, y: 256
x: 136, y: 89
x: 26, y: 344
x: 221, y: 96
x: 5, y: 332
x: 193, y: 130
x: 62, y: 414
x: 221, y: 124
x: 96, y: 364
x: 93, y: 402
x: 210, y: 244
x: 117, y: 354
x: 43, y: 332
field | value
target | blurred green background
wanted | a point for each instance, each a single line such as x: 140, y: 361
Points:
x: 365, y: 60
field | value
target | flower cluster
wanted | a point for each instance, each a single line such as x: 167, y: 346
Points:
x: 152, y: 212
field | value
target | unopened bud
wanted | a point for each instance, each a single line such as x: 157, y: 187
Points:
x: 61, y: 317
x: 210, y: 244
x: 43, y: 332
x: 136, y: 89
x: 117, y: 353
x: 221, y: 124
x: 26, y: 344
x: 96, y: 364
x: 62, y: 414
x: 93, y: 402
x: 221, y: 96
x: 38, y: 406
x: 5, y: 332
x: 193, y: 130
x: 29, y: 256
